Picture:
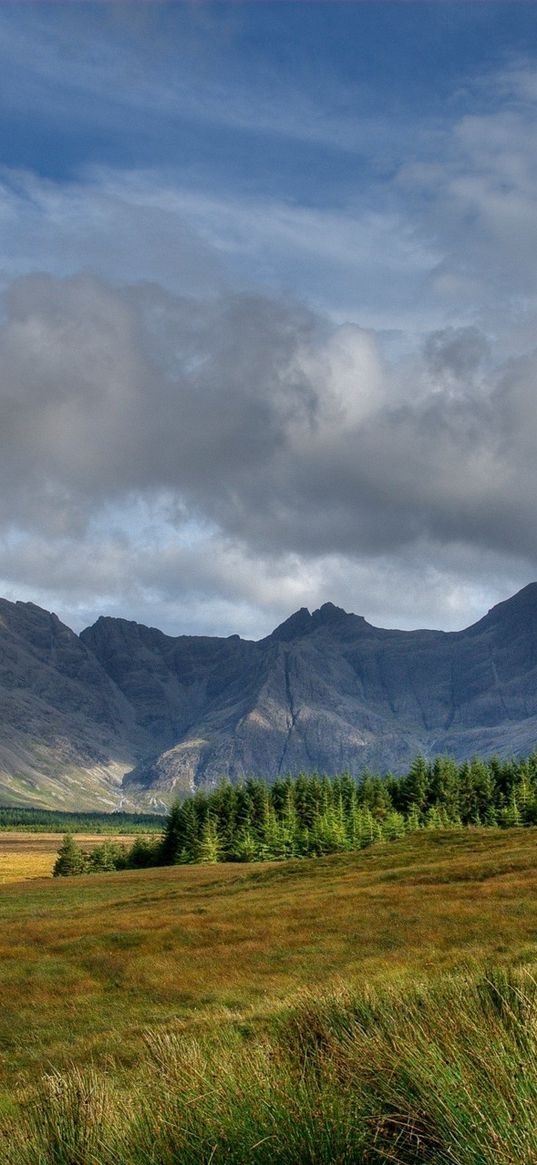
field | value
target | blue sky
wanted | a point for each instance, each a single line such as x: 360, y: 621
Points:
x: 269, y: 305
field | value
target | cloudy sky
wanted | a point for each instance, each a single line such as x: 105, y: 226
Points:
x: 268, y: 333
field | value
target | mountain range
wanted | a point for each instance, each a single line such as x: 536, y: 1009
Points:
x: 124, y: 716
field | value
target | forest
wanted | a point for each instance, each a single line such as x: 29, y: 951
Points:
x: 313, y: 814
x: 33, y: 820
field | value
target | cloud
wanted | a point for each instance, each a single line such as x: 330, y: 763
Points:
x: 475, y: 198
x: 122, y: 229
x: 128, y: 226
x: 178, y: 433
x: 206, y: 584
x: 269, y: 427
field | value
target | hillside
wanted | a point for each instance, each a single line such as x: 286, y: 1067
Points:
x: 125, y: 716
x: 89, y: 962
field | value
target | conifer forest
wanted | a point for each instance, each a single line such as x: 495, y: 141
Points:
x: 313, y: 814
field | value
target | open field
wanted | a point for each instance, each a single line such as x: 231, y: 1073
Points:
x: 373, y: 1007
x: 32, y: 855
x: 87, y: 963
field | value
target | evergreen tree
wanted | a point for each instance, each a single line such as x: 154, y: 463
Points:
x: 145, y: 853
x: 393, y: 826
x: 275, y: 840
x: 70, y: 860
x: 444, y: 786
x: 245, y: 846
x: 413, y: 820
x: 482, y: 789
x: 307, y: 796
x: 208, y: 847
x: 189, y: 833
x: 173, y: 836
x: 416, y: 786
x: 259, y: 802
x: 313, y: 814
x: 223, y: 806
x: 109, y: 856
x: 289, y: 821
x: 510, y: 816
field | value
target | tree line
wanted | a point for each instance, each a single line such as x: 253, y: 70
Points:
x: 311, y: 814
x: 34, y: 820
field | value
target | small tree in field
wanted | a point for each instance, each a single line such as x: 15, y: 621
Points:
x: 70, y: 859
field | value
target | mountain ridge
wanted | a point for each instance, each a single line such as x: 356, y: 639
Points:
x: 124, y: 715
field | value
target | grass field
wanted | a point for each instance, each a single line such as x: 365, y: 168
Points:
x: 220, y: 953
x: 26, y: 855
x: 87, y: 963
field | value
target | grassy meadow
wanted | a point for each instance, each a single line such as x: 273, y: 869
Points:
x: 28, y: 855
x: 276, y: 1012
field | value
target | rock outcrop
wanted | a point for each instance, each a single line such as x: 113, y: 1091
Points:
x: 125, y: 715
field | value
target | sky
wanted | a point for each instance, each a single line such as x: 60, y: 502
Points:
x: 268, y: 319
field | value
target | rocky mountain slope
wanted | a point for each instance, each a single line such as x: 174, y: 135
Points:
x: 125, y: 715
x: 67, y: 733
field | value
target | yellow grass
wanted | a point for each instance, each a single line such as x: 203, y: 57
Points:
x: 87, y: 963
x: 32, y: 855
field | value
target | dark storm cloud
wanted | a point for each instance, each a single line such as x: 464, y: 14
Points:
x: 260, y: 418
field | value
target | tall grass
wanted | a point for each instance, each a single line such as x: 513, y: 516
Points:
x: 444, y: 1074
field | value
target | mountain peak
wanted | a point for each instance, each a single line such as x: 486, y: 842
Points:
x: 328, y: 613
x: 302, y: 622
x: 293, y: 627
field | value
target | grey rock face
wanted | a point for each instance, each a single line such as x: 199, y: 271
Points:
x: 124, y: 714
x: 67, y: 734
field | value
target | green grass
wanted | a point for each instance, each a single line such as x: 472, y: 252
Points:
x: 329, y: 1010
x: 443, y: 1074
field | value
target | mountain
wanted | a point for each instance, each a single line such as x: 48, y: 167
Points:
x: 67, y: 733
x: 124, y: 715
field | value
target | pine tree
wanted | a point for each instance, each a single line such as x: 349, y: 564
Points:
x: 173, y: 836
x: 413, y: 821
x: 189, y: 835
x: 289, y: 821
x: 259, y: 803
x: 208, y: 847
x: 433, y: 818
x: 223, y: 807
x: 510, y: 816
x: 275, y: 847
x: 144, y: 853
x: 366, y: 829
x: 108, y: 856
x: 246, y: 846
x: 444, y: 787
x: 482, y: 789
x: 416, y: 786
x: 70, y: 860
x: 393, y: 826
